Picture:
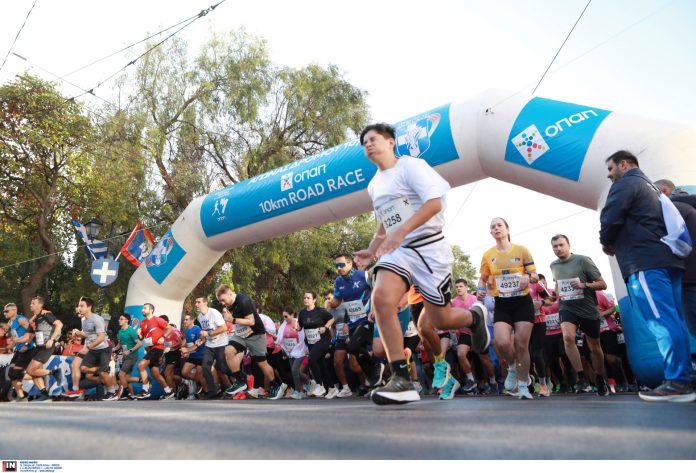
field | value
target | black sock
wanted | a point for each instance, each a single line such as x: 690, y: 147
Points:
x: 400, y: 368
x: 237, y: 375
x: 44, y: 392
x: 581, y: 376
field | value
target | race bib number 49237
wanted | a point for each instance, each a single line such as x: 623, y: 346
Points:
x: 508, y: 284
x: 394, y: 213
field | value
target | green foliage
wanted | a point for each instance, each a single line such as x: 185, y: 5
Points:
x: 463, y: 269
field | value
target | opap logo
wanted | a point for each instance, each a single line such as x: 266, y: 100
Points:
x: 413, y: 138
x: 164, y: 257
x: 286, y: 181
x: 553, y: 137
x: 530, y: 144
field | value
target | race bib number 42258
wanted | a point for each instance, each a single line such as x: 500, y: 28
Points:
x: 394, y: 213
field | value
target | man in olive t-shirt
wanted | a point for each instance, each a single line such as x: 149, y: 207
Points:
x: 577, y: 278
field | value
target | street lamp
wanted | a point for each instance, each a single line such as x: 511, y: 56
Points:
x: 93, y: 227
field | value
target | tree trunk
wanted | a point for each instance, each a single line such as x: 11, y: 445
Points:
x: 34, y: 280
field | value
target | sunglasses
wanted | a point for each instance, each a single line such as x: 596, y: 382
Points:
x: 340, y: 265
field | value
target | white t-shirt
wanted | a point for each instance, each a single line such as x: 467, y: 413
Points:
x: 398, y: 192
x: 268, y: 324
x: 210, y: 321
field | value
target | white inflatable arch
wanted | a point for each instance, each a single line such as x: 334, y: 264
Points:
x: 556, y: 148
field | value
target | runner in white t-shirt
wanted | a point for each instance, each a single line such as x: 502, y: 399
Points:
x: 408, y: 198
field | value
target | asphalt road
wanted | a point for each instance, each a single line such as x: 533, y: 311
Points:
x: 562, y: 427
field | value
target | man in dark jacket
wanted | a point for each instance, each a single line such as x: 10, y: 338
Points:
x: 631, y: 228
x: 686, y: 204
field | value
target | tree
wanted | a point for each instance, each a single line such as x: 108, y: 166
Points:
x: 44, y: 154
x: 463, y: 269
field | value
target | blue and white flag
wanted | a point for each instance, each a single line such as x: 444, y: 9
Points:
x: 138, y: 245
x: 95, y: 249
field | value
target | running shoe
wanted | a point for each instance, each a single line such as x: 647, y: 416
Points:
x: 75, y: 393
x: 583, y: 387
x: 238, y: 386
x: 345, y: 392
x: 332, y: 393
x: 312, y: 386
x: 523, y: 392
x: 544, y: 391
x: 480, y: 337
x: 296, y: 395
x: 442, y: 371
x: 669, y: 391
x: 397, y: 391
x: 110, y: 396
x: 602, y: 388
x: 253, y: 392
x: 20, y: 399
x: 449, y: 389
x: 319, y: 391
x: 278, y: 391
x: 168, y: 395
x: 417, y: 386
x: 145, y: 393
x: 376, y: 379
x: 511, y: 379
x: 42, y: 398
x: 469, y: 386
x: 210, y: 395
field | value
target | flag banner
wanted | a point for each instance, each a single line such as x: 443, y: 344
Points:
x: 95, y: 249
x: 138, y: 245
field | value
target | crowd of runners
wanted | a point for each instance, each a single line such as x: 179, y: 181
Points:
x: 394, y: 327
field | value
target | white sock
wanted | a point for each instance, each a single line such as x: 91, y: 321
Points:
x: 521, y: 385
x: 492, y: 381
x: 470, y: 376
x: 345, y: 386
x: 167, y: 390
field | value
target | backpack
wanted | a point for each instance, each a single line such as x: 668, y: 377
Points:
x: 678, y: 238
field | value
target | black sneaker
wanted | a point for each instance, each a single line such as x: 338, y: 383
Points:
x: 583, y: 387
x: 277, y: 391
x: 602, y: 387
x: 210, y: 395
x: 376, y: 378
x: 669, y: 391
x: 182, y: 391
x: 43, y: 398
x: 480, y: 338
x: 237, y: 387
x: 397, y: 391
x: 110, y: 396
x: 168, y: 395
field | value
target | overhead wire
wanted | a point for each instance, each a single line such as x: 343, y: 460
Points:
x: 17, y: 35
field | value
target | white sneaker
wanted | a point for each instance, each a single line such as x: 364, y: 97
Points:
x: 191, y: 397
x: 523, y: 392
x: 333, y: 392
x: 418, y: 387
x: 345, y: 392
x: 312, y: 387
x: 296, y: 395
x: 511, y: 379
x: 319, y: 391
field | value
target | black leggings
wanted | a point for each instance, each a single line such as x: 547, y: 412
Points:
x: 554, y: 353
x: 536, y: 348
x: 317, y: 364
x: 279, y: 361
x: 358, y: 342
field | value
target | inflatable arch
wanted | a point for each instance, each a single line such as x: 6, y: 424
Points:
x: 552, y: 147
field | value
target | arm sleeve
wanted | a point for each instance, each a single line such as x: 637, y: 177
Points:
x: 613, y: 215
x: 246, y: 308
x: 591, y: 271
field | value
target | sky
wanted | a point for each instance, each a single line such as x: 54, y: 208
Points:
x: 409, y: 57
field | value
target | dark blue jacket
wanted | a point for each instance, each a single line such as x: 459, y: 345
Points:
x: 688, y: 212
x: 632, y: 223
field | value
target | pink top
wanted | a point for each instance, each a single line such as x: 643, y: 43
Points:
x: 464, y: 304
x: 606, y: 323
x: 552, y: 319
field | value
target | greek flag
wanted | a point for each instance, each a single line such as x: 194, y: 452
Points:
x: 95, y: 249
x: 138, y: 245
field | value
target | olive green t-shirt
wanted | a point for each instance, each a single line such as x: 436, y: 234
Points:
x: 580, y: 302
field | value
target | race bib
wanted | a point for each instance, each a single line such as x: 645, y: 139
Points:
x: 355, y: 309
x: 312, y: 335
x: 580, y: 342
x: 568, y: 293
x: 167, y: 344
x: 339, y: 331
x: 603, y: 324
x: 620, y: 338
x: 508, y: 285
x: 242, y: 331
x: 553, y: 322
x: 40, y: 339
x: 147, y: 342
x: 394, y: 213
x: 290, y: 344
